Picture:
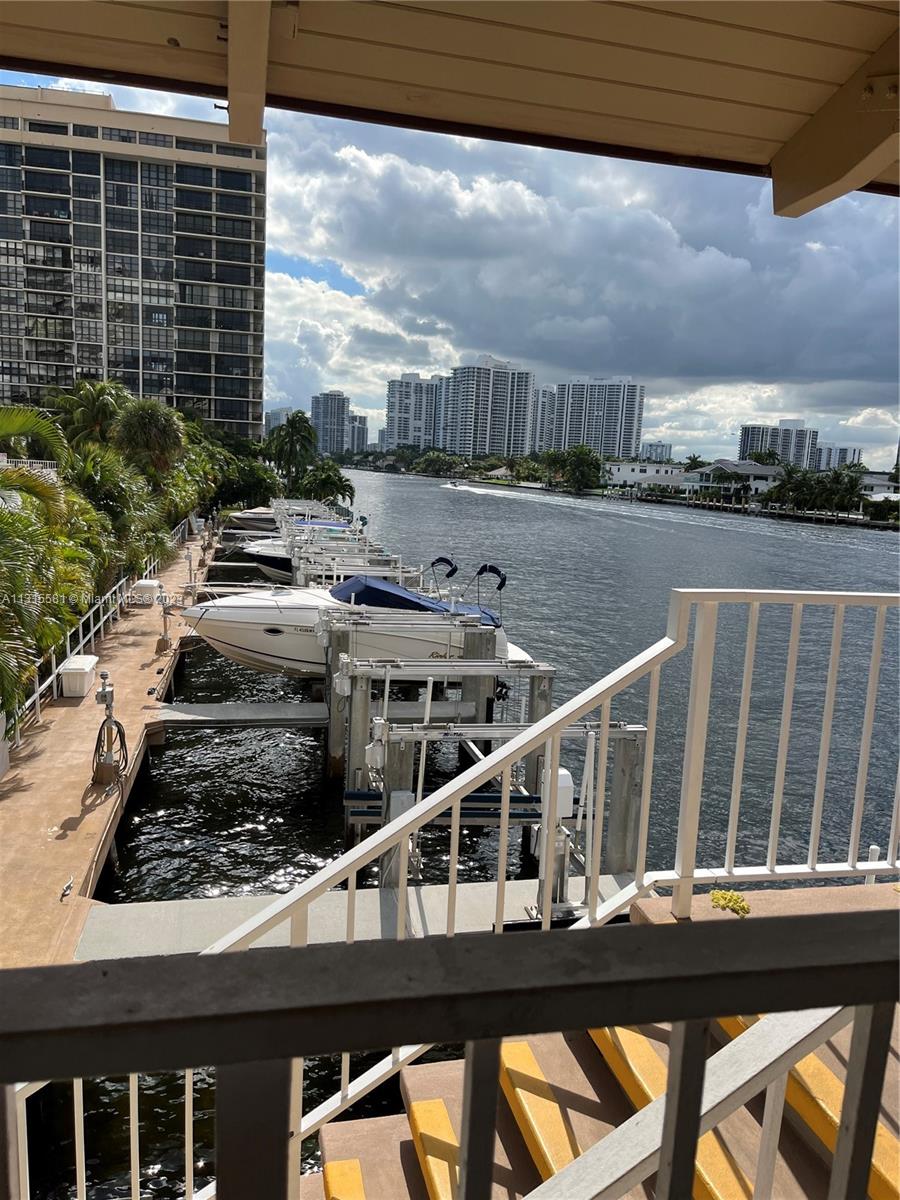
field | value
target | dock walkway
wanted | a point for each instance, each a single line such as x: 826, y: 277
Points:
x: 55, y: 824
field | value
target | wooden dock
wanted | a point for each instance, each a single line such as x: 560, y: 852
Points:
x: 56, y: 825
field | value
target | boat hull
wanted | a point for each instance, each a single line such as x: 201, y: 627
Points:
x: 281, y: 638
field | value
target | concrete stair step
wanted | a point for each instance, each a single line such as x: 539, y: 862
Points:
x: 815, y: 1093
x: 727, y: 1155
x: 312, y: 1187
x: 432, y: 1094
x: 563, y: 1097
x: 370, y: 1159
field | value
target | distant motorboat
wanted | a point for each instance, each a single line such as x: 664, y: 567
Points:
x: 274, y: 629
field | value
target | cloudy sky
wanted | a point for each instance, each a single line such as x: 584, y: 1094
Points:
x: 395, y: 251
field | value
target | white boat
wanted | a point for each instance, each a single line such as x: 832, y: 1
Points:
x: 344, y: 558
x: 274, y: 629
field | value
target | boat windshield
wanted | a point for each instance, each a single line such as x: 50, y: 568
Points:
x: 381, y: 593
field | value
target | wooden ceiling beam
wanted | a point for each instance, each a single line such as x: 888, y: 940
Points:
x: 850, y: 141
x: 248, y: 64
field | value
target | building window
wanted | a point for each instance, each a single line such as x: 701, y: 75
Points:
x: 11, y: 204
x: 156, y: 268
x: 193, y: 247
x: 121, y: 195
x: 157, y: 223
x: 193, y: 339
x: 9, y: 122
x: 43, y: 231
x: 232, y: 387
x: 191, y: 268
x: 193, y: 293
x: 48, y: 256
x: 88, y: 331
x: 229, y: 203
x: 88, y: 310
x: 85, y: 187
x: 156, y: 174
x: 45, y: 156
x: 232, y: 364
x: 201, y: 317
x: 191, y: 360
x: 88, y: 260
x: 119, y: 135
x: 234, y: 151
x: 228, y: 273
x: 233, y: 297
x: 124, y: 266
x: 11, y: 227
x: 122, y: 313
x: 48, y: 206
x: 85, y: 162
x: 47, y: 181
x: 193, y: 176
x: 87, y: 235
x: 86, y: 131
x: 158, y: 316
x: 196, y: 200
x: 197, y: 147
x: 232, y: 319
x: 121, y: 170
x: 47, y: 127
x: 234, y: 181
x: 156, y: 200
x: 156, y: 246
x: 51, y: 281
x: 155, y: 139
x: 199, y: 385
x: 234, y: 251
x: 121, y: 218
x: 121, y: 243
x: 87, y: 211
x: 157, y: 338
x: 231, y: 227
x: 186, y: 222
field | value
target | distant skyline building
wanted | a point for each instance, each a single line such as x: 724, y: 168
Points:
x: 410, y: 412
x: 275, y: 417
x: 357, y: 433
x: 543, y: 408
x: 132, y: 248
x: 828, y: 455
x: 605, y: 414
x: 656, y: 451
x: 330, y: 412
x: 789, y: 439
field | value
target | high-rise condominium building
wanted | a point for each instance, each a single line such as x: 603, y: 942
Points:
x: 828, y: 455
x: 790, y: 440
x: 604, y: 414
x: 331, y: 420
x: 131, y: 248
x: 412, y: 403
x: 480, y: 409
x: 656, y: 451
x: 486, y: 409
x: 543, y: 411
x: 357, y: 433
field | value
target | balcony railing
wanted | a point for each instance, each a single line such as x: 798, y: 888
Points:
x: 684, y: 869
x: 255, y: 1016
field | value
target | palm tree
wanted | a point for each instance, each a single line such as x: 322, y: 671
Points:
x: 324, y: 481
x: 87, y: 412
x: 150, y: 435
x: 32, y: 424
x: 694, y: 462
x: 42, y: 486
x: 292, y: 447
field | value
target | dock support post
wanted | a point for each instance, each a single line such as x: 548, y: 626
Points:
x: 540, y: 701
x: 480, y: 645
x: 338, y: 706
x: 399, y: 802
x: 625, y: 804
x: 360, y: 733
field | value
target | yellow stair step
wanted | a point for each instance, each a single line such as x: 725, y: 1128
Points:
x: 343, y: 1180
x: 815, y: 1094
x: 547, y: 1131
x: 437, y: 1147
x: 642, y: 1074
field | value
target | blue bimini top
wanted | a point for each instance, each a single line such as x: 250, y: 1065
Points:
x: 380, y: 593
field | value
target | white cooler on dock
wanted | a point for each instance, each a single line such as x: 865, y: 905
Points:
x: 77, y: 674
x: 145, y: 591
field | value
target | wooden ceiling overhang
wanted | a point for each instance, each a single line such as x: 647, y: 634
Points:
x: 803, y: 91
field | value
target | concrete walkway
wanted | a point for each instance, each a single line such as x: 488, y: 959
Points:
x: 55, y: 824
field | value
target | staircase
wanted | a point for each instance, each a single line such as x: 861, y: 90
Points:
x: 562, y: 1094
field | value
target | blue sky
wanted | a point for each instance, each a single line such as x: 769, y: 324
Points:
x: 393, y: 250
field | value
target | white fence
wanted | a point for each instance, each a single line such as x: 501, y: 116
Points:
x: 93, y: 625
x: 49, y: 465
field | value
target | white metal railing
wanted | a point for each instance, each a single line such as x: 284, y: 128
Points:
x: 90, y: 627
x: 251, y: 1015
x: 545, y: 737
x: 49, y: 465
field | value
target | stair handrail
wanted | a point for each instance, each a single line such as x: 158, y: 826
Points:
x: 391, y: 835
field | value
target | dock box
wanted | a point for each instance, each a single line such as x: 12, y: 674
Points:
x: 77, y: 674
x: 145, y: 591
